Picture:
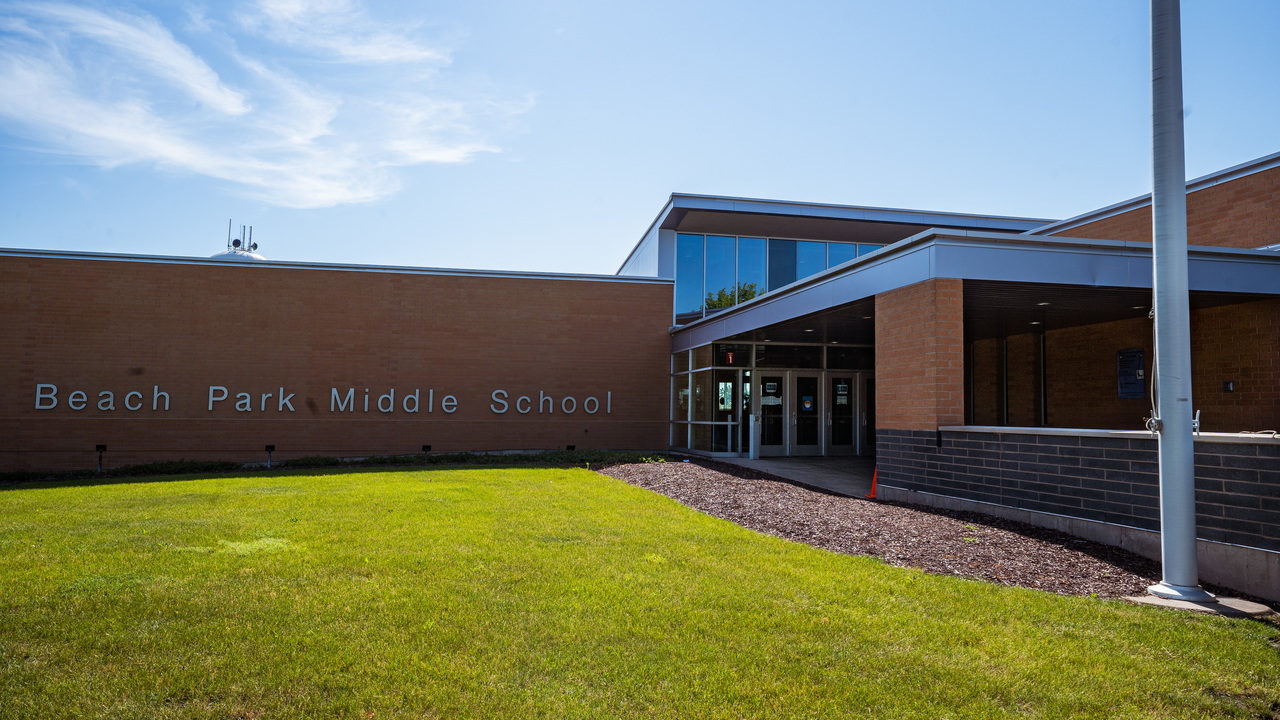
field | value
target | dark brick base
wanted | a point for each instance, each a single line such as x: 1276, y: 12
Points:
x: 1105, y: 477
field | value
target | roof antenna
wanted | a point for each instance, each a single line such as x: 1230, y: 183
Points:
x: 228, y: 233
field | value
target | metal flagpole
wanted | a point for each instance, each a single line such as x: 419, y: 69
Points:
x: 1172, y: 313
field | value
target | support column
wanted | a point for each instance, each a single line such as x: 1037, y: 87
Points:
x: 920, y: 357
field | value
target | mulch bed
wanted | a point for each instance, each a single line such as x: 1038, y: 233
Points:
x: 943, y: 542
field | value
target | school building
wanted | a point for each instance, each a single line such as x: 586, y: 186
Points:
x: 993, y: 363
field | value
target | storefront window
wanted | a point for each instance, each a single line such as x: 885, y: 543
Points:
x: 811, y: 258
x: 782, y: 263
x: 732, y: 355
x: 680, y: 362
x: 702, y: 357
x: 850, y: 358
x: 680, y: 436
x: 840, y: 252
x: 789, y: 356
x: 721, y: 269
x: 680, y: 408
x: 704, y: 396
x: 752, y: 258
x: 689, y: 297
x: 716, y: 272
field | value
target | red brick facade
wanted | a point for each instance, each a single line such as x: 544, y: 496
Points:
x: 590, y: 355
x: 1241, y: 213
x: 920, y: 356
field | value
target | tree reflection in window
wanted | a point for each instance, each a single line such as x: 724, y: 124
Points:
x: 725, y: 298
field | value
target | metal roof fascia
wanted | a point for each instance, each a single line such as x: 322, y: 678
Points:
x: 342, y: 267
x: 850, y: 212
x: 657, y: 221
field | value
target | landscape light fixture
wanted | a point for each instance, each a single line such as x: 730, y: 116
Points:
x: 101, y: 449
x: 270, y: 449
x: 426, y: 451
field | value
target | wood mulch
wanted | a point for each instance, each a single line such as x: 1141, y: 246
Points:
x: 942, y: 542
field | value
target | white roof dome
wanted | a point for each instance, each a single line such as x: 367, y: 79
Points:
x: 238, y: 255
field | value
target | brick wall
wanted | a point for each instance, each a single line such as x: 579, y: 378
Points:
x: 1241, y: 213
x: 1241, y: 344
x: 1082, y: 380
x: 1236, y: 343
x: 1024, y: 379
x: 989, y: 391
x: 1107, y: 478
x: 986, y: 387
x: 99, y: 326
x: 920, y: 356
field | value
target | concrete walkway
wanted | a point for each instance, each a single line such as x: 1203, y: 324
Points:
x: 848, y: 476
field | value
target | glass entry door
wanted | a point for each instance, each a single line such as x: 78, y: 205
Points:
x: 773, y: 422
x: 843, y: 414
x: 806, y: 410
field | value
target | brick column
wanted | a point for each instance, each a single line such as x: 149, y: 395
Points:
x: 920, y: 356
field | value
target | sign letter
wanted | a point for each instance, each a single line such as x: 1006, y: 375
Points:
x: 47, y: 393
x: 338, y: 405
x: 217, y: 393
x: 499, y: 396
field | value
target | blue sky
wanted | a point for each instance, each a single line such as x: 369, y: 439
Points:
x: 544, y: 135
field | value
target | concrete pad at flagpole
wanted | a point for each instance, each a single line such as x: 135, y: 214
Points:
x: 1223, y: 606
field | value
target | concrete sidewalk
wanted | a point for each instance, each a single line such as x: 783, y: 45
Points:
x: 847, y: 476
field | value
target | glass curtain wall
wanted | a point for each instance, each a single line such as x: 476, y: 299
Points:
x: 716, y: 272
x: 711, y: 388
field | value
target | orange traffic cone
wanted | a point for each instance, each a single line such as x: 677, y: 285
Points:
x: 874, y: 472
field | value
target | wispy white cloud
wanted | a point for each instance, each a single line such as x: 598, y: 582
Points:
x: 337, y: 27
x: 141, y: 43
x: 108, y: 88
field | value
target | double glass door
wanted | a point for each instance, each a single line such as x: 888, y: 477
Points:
x: 813, y: 413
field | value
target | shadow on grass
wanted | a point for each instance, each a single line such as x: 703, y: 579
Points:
x: 182, y: 470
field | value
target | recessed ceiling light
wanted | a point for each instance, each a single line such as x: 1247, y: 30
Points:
x: 866, y: 317
x: 1042, y: 304
x: 1035, y: 322
x: 1139, y: 307
x: 808, y: 329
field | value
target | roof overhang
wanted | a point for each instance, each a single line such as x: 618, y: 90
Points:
x: 720, y: 215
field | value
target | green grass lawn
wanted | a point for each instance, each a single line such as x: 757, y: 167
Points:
x: 518, y: 592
